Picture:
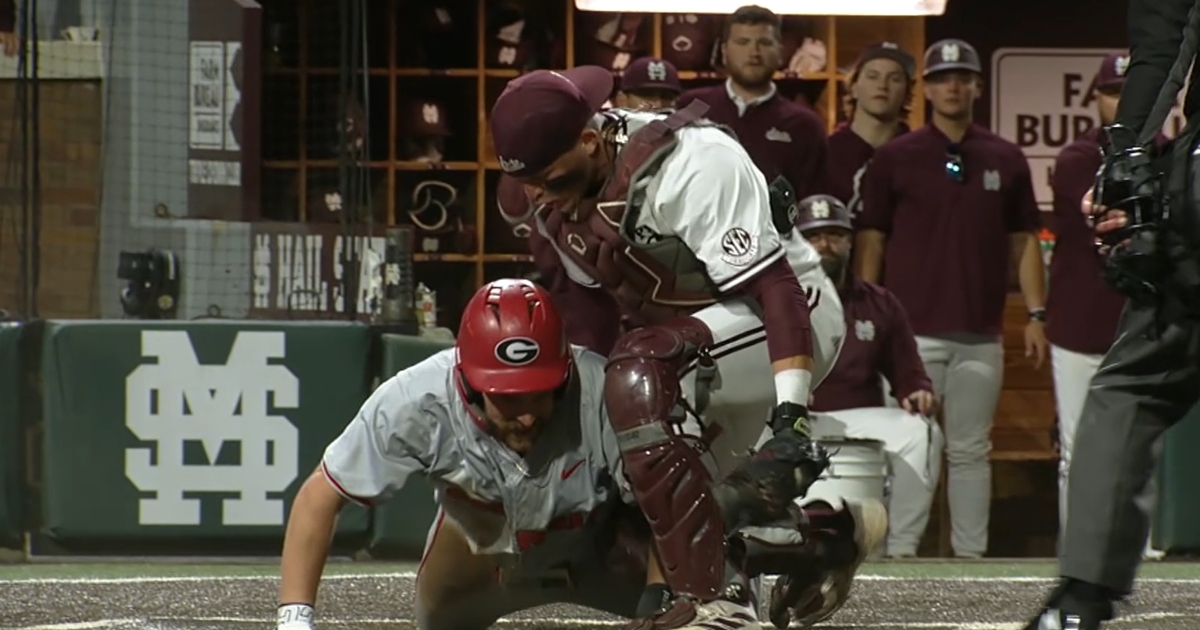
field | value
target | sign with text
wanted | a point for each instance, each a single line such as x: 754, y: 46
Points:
x: 224, y: 109
x: 1042, y: 99
x: 306, y: 271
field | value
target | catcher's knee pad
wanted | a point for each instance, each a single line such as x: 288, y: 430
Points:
x: 670, y: 480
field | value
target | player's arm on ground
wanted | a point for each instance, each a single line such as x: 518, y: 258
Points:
x: 373, y: 457
x: 901, y: 364
x: 874, y: 223
x: 721, y: 209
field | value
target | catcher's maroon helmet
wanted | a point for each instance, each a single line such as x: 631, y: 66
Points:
x: 511, y: 340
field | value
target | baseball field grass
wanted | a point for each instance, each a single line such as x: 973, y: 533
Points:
x: 176, y: 595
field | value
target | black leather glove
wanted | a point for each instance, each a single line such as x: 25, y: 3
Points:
x: 791, y: 416
x: 761, y: 490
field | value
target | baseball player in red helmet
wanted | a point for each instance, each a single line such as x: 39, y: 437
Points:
x: 510, y: 428
x: 732, y: 321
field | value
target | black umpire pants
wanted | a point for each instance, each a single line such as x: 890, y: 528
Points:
x: 1145, y: 384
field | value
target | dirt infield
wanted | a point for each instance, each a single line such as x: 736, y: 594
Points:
x: 945, y: 597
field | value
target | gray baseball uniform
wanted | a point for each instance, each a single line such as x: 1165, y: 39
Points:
x: 509, y: 527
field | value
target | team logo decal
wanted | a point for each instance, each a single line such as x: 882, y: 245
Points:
x: 738, y: 247
x: 517, y: 351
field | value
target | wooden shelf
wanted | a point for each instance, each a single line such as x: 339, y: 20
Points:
x: 467, y: 89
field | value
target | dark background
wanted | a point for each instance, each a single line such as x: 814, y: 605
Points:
x: 990, y: 24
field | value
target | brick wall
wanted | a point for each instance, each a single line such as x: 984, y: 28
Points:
x: 71, y: 132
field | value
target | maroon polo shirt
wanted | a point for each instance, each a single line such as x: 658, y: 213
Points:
x: 878, y: 341
x: 782, y: 137
x: 1082, y: 310
x: 846, y: 158
x: 948, y: 243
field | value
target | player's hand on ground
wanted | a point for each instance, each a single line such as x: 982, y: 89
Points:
x: 922, y: 402
x: 1036, y: 345
x: 295, y: 617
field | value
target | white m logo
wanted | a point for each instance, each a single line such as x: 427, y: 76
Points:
x: 177, y: 400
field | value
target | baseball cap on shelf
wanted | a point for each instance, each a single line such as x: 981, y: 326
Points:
x: 818, y: 211
x: 424, y: 118
x: 650, y: 73
x: 1111, y: 75
x: 888, y: 50
x: 540, y: 115
x: 951, y: 54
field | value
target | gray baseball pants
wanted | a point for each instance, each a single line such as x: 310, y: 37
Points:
x: 1147, y: 382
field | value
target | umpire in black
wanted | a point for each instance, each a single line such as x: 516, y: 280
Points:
x: 1150, y: 378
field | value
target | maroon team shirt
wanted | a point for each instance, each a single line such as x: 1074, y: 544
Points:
x: 878, y: 341
x: 1082, y: 310
x: 846, y: 157
x: 948, y: 243
x: 782, y: 137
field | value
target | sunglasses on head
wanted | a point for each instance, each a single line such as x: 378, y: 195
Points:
x: 954, y: 164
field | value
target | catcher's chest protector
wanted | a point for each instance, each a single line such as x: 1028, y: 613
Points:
x: 652, y: 282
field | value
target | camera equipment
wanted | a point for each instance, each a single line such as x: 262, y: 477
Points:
x: 152, y: 291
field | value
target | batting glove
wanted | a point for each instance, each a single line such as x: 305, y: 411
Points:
x: 295, y: 617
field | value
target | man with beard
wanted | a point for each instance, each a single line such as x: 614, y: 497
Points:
x: 510, y: 428
x: 782, y: 137
x: 945, y: 208
x: 668, y: 213
x: 850, y: 401
x: 880, y: 89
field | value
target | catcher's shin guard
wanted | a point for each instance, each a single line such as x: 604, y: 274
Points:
x: 672, y: 485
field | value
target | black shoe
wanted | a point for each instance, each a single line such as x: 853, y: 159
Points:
x: 1074, y: 605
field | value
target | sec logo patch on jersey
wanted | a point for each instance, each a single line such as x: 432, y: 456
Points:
x: 517, y: 351
x: 738, y: 247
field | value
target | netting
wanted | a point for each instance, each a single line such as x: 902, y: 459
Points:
x: 197, y: 159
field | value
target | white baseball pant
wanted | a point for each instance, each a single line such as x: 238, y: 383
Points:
x: 1073, y: 372
x: 913, y: 445
x: 741, y: 395
x: 967, y: 373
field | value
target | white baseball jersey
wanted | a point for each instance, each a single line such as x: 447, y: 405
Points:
x: 709, y: 194
x: 419, y: 422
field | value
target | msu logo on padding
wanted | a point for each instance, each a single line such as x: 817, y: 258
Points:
x: 177, y: 401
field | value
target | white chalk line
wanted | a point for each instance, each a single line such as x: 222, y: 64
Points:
x: 408, y: 575
x: 586, y: 622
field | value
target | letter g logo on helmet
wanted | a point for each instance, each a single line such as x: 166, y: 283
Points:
x: 517, y: 351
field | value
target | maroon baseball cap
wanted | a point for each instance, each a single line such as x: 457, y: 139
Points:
x: 540, y: 115
x: 818, y: 211
x: 650, y: 73
x: 1111, y: 75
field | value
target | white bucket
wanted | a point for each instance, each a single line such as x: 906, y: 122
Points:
x: 858, y: 469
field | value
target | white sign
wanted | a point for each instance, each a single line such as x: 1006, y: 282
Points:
x: 213, y: 95
x: 206, y: 96
x: 1042, y: 102
x: 177, y: 400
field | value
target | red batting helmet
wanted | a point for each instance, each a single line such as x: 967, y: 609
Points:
x: 512, y: 341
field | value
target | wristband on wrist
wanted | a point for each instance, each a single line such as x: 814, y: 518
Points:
x: 1037, y: 315
x: 295, y: 613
